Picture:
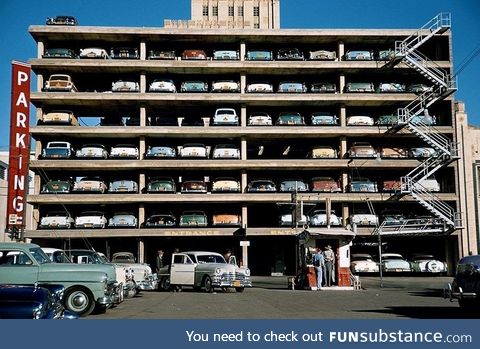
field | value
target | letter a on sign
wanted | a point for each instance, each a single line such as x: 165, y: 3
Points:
x: 19, y: 145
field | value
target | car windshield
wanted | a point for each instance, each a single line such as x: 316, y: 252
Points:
x: 210, y: 258
x: 91, y: 213
x: 123, y: 259
x: 39, y: 255
x: 226, y: 111
x: 60, y: 257
x: 60, y: 77
x: 396, y: 257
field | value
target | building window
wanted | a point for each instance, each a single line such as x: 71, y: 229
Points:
x: 205, y: 11
x: 256, y: 11
x: 215, y: 11
x: 230, y: 11
x: 256, y: 26
x: 240, y: 11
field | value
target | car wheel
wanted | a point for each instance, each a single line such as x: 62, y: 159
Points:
x: 239, y: 289
x: 165, y: 284
x: 79, y: 300
x: 207, y: 284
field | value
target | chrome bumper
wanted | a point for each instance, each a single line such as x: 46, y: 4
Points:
x: 106, y: 300
x: 148, y: 285
x: 219, y: 281
x: 448, y: 292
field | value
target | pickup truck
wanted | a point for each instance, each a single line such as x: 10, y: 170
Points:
x: 207, y: 270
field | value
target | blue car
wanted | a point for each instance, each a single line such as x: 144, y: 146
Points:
x: 162, y: 152
x: 259, y: 55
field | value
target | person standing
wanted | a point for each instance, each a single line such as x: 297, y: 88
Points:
x: 159, y: 261
x: 319, y: 264
x: 329, y: 257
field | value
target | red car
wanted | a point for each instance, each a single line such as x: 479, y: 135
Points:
x: 194, y: 54
x: 324, y: 184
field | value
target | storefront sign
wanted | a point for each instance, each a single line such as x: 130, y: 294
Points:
x: 19, y: 146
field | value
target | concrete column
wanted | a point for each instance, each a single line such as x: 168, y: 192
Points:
x: 243, y: 116
x: 141, y: 251
x: 141, y: 182
x: 341, y: 83
x: 40, y: 49
x: 143, y: 82
x: 243, y: 82
x: 343, y: 116
x: 243, y: 50
x: 244, y: 256
x: 141, y: 210
x: 244, y: 217
x: 143, y: 116
x: 37, y: 184
x: 243, y: 149
x: 344, y: 180
x: 39, y: 82
x: 345, y: 213
x: 244, y: 181
x: 39, y: 114
x: 38, y: 148
x: 141, y: 148
x: 343, y: 150
x: 36, y: 218
x: 143, y: 50
x: 340, y: 50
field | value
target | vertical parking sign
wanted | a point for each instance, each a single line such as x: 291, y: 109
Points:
x: 19, y: 147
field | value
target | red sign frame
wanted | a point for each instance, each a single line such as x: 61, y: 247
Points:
x: 19, y: 147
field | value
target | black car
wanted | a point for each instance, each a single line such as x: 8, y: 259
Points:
x: 466, y: 285
x: 124, y: 53
x: 289, y: 54
x: 62, y: 20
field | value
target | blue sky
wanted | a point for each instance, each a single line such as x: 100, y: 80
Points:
x: 17, y: 44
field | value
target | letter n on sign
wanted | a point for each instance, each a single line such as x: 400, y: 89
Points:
x: 19, y: 145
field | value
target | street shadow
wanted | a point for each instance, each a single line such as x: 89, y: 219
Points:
x: 427, y: 312
x: 429, y: 292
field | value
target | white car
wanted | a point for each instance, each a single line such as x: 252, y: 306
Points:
x: 363, y: 263
x: 95, y: 151
x: 260, y: 119
x: 226, y: 151
x: 285, y: 220
x: 125, y: 86
x: 56, y: 220
x: 64, y: 117
x: 225, y: 116
x: 429, y: 184
x: 162, y: 86
x: 394, y: 262
x: 90, y: 184
x: 319, y: 218
x: 261, y: 87
x: 145, y: 280
x: 225, y: 184
x: 365, y: 219
x: 59, y: 83
x: 322, y: 55
x: 194, y: 150
x: 427, y: 263
x: 360, y: 120
x: 225, y: 86
x: 124, y: 151
x: 91, y: 219
x: 93, y: 52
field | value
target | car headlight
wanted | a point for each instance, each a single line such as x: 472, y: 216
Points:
x: 218, y: 271
x: 247, y: 272
x: 104, y: 278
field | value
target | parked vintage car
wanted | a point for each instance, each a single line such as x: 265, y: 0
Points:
x: 56, y: 220
x: 57, y: 150
x: 323, y: 87
x: 292, y: 87
x: 259, y: 119
x: 320, y: 218
x: 94, y: 52
x: 226, y: 151
x: 259, y: 55
x: 225, y: 185
x: 426, y: 119
x: 393, y: 153
x: 193, y: 54
x: 286, y: 220
x: 322, y: 55
x: 207, y: 270
x: 322, y: 152
x: 385, y: 55
x: 259, y: 87
x: 161, y: 185
x: 125, y: 86
x: 165, y: 85
x: 387, y: 120
x: 225, y: 117
x: 123, y: 186
x: 390, y: 87
x: 466, y: 284
x: 194, y: 150
x: 91, y: 219
x: 62, y: 20
x: 193, y: 218
x: 391, y: 217
x: 56, y: 255
x: 394, y: 263
x: 361, y: 150
x: 123, y: 220
x: 160, y: 221
x: 364, y: 55
x: 194, y: 86
x: 145, y: 280
x: 194, y: 186
x: 362, y: 185
x: 363, y: 263
x: 290, y: 119
x: 161, y: 54
x: 86, y: 286
x: 33, y: 302
x: 124, y: 53
x: 323, y: 119
x: 59, y: 53
x: 160, y: 152
x: 226, y: 220
x: 124, y: 151
x: 293, y: 185
x: 324, y: 184
x: 225, y: 86
x: 261, y: 186
x: 363, y: 218
x: 290, y: 54
x: 91, y: 184
x: 429, y: 184
x: 393, y: 185
x: 57, y: 186
x: 360, y: 120
x: 92, y: 151
x: 59, y: 117
x: 418, y: 88
x: 421, y: 152
x: 226, y: 55
x: 59, y: 83
x: 427, y: 263
x: 359, y: 87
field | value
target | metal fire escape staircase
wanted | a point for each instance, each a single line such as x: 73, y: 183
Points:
x: 445, y: 150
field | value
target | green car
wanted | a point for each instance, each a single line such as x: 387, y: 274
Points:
x: 59, y: 53
x: 86, y: 286
x: 387, y: 120
x: 55, y: 186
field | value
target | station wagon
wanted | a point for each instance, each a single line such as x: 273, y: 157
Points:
x: 194, y: 186
x: 320, y: 218
x: 261, y: 185
x: 358, y: 56
x: 323, y: 152
x: 322, y: 55
x: 323, y: 87
x: 359, y: 87
x: 93, y: 52
x: 226, y: 55
x: 362, y: 185
x: 226, y: 219
x: 90, y: 184
x: 161, y: 185
x: 60, y: 117
x: 92, y: 151
x: 160, y: 152
x: 160, y: 220
x: 292, y: 87
x: 194, y: 86
x: 59, y: 53
x: 56, y: 220
x: 259, y: 119
x: 225, y: 185
x: 123, y: 186
x: 123, y: 220
x: 57, y: 186
x: 193, y: 218
x: 290, y: 119
x: 124, y: 53
x: 324, y: 184
x: 289, y: 54
x: 259, y: 55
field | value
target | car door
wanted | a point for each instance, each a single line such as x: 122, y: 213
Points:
x: 17, y: 267
x: 182, y: 270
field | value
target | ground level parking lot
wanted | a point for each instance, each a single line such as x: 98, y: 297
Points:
x: 401, y: 297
